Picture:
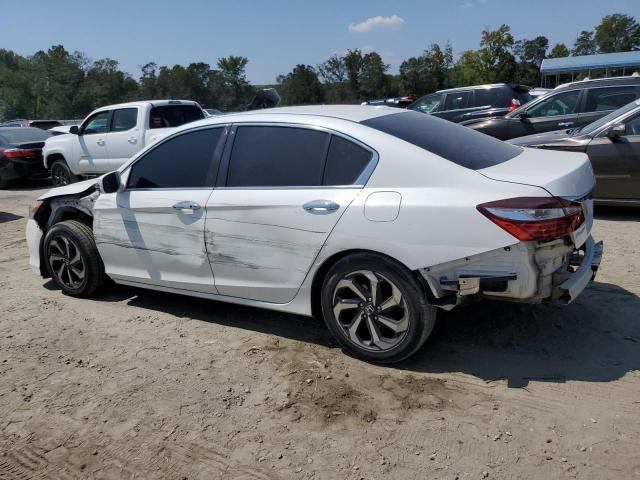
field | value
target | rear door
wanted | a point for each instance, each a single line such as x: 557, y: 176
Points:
x: 152, y: 232
x: 282, y: 189
x: 616, y: 163
x: 124, y: 137
x: 554, y: 112
x: 600, y: 101
x: 456, y: 104
x: 93, y: 155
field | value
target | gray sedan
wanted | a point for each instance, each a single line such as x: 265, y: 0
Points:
x: 613, y: 146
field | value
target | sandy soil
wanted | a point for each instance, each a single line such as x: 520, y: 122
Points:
x: 137, y: 384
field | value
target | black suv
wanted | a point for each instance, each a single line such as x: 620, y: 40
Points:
x: 468, y: 103
x: 566, y: 107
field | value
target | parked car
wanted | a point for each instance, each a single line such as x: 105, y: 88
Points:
x: 111, y: 135
x: 568, y: 106
x: 370, y: 217
x: 400, y: 102
x: 212, y: 111
x: 61, y: 130
x: 22, y: 122
x: 613, y: 146
x: 21, y: 153
x: 478, y: 101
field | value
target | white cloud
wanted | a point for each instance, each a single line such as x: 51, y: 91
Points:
x: 377, y: 23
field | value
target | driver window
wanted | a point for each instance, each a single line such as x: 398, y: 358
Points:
x: 428, y: 104
x: 99, y: 123
x: 564, y: 103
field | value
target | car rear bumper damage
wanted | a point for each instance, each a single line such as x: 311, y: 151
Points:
x: 526, y: 272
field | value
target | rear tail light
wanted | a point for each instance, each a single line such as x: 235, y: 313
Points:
x: 515, y: 103
x: 20, y: 153
x: 533, y: 218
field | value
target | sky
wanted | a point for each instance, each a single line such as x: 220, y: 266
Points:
x: 276, y: 35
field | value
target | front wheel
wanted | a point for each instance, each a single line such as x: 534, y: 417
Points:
x: 61, y: 174
x: 73, y: 260
x: 376, y: 309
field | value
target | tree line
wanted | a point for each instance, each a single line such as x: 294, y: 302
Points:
x: 61, y: 84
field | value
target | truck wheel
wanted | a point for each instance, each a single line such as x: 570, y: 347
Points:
x: 73, y: 260
x: 61, y: 174
x: 376, y: 308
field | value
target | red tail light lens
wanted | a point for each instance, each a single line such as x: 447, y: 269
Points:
x: 515, y: 103
x: 19, y: 153
x: 533, y: 218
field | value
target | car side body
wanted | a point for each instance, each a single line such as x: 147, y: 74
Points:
x: 613, y: 146
x: 21, y: 153
x: 238, y: 239
x: 572, y: 105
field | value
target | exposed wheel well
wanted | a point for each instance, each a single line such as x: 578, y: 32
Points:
x: 321, y: 273
x: 52, y: 158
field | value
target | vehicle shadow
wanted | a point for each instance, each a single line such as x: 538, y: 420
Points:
x: 629, y: 214
x: 595, y: 339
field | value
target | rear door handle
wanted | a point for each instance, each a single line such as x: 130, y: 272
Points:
x: 565, y: 124
x: 321, y: 207
x: 100, y: 142
x: 187, y: 206
x: 133, y: 140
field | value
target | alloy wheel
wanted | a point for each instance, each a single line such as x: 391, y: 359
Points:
x: 371, y: 310
x: 60, y: 176
x: 66, y: 262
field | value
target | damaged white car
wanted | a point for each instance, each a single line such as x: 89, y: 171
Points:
x: 372, y: 218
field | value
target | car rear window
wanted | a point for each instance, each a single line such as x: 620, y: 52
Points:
x: 23, y: 135
x: 460, y: 145
x: 166, y: 116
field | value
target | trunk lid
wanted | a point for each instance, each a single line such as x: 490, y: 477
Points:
x: 562, y: 174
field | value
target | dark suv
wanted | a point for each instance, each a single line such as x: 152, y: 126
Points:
x: 468, y: 103
x: 568, y: 106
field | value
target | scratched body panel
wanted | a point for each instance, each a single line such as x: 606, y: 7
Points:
x: 262, y: 243
x: 141, y: 236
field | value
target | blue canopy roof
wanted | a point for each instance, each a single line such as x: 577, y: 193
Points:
x: 586, y: 62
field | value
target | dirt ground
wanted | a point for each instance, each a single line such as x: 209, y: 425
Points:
x: 140, y: 384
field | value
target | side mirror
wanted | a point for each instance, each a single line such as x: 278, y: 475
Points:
x: 616, y: 131
x: 523, y: 116
x: 74, y: 130
x: 110, y: 183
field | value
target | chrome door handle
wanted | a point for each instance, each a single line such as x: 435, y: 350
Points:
x: 187, y: 206
x: 321, y: 207
x: 100, y: 142
x: 133, y: 140
x: 565, y: 124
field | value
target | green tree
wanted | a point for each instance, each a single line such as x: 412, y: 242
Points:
x: 431, y: 71
x: 617, y: 33
x: 530, y: 54
x: 148, y: 88
x: 584, y: 44
x: 233, y: 75
x: 469, y: 69
x: 374, y: 79
x: 106, y: 84
x: 559, y: 50
x: 301, y: 86
x: 497, y: 62
x: 333, y: 73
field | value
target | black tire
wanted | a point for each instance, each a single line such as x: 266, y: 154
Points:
x: 63, y: 244
x: 417, y: 317
x: 61, y: 174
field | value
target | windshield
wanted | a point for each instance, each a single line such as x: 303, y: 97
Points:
x: 592, y: 127
x: 23, y: 135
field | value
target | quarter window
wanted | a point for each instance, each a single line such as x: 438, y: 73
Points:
x: 609, y: 98
x: 564, y: 103
x: 99, y: 123
x: 345, y: 162
x: 277, y: 156
x: 185, y: 161
x: 124, y: 119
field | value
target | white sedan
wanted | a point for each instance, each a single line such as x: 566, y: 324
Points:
x: 372, y: 218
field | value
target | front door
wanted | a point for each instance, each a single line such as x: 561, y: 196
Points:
x: 152, y: 231
x: 616, y: 164
x: 555, y: 112
x: 282, y: 190
x: 92, y: 141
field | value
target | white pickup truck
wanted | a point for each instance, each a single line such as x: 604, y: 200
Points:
x: 111, y: 135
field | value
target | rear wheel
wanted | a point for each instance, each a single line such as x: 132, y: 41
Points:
x: 61, y: 174
x: 376, y: 308
x: 73, y: 260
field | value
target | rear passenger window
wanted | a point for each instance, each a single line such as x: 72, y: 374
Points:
x: 493, y: 97
x: 457, y: 100
x: 185, y: 161
x: 124, y: 119
x: 345, y: 162
x: 609, y: 98
x: 277, y: 157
